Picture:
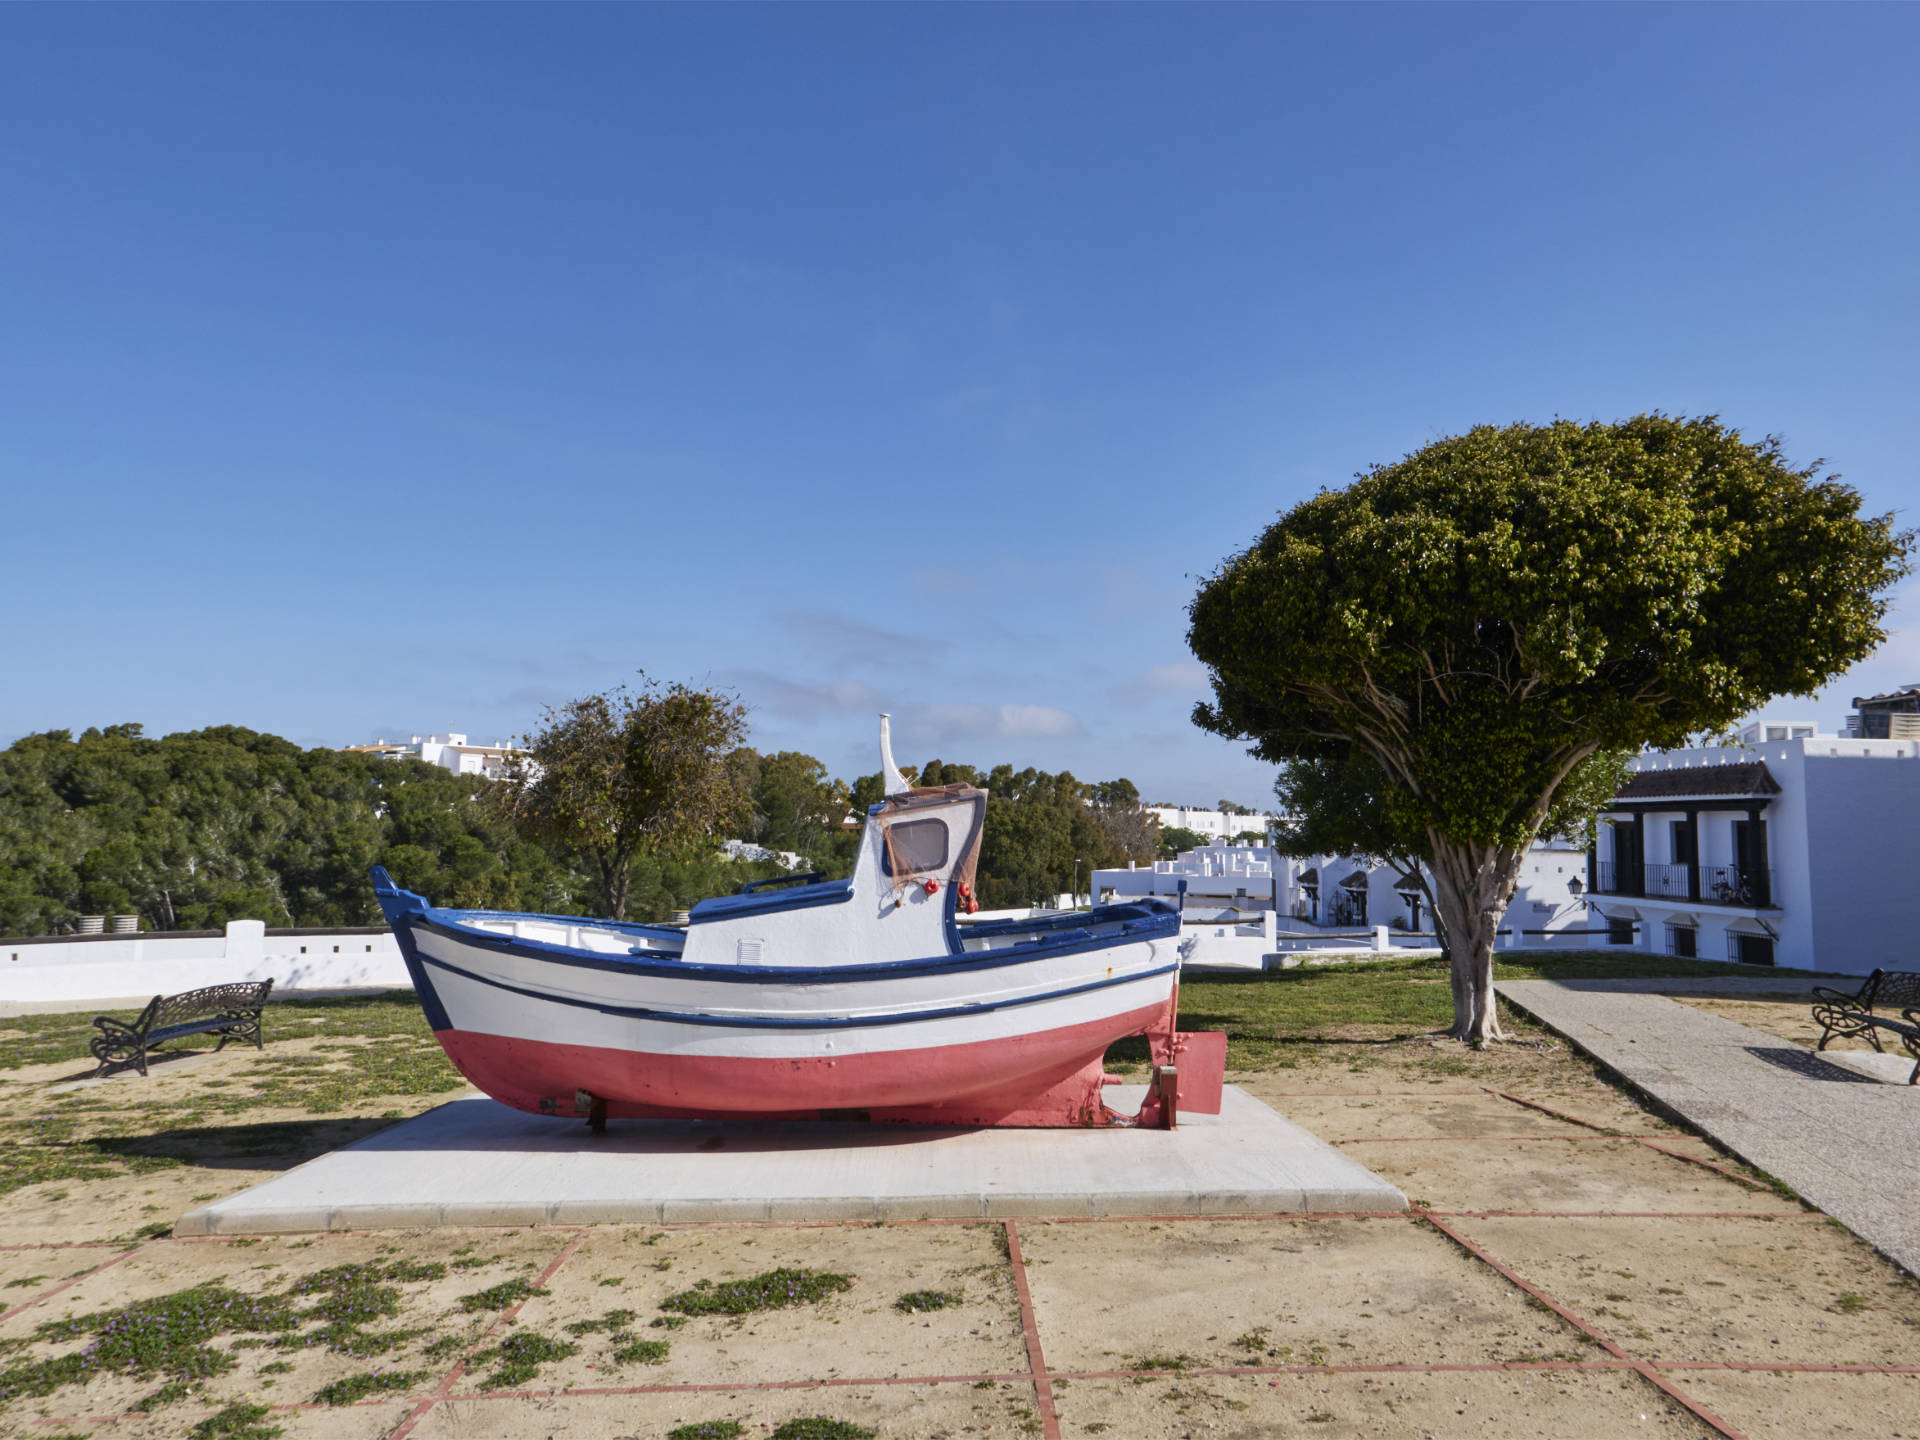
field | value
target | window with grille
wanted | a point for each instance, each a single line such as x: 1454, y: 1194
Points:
x: 1683, y: 940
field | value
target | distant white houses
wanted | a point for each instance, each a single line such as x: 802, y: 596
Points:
x: 1316, y: 893
x: 1792, y: 848
x: 450, y: 752
x: 1214, y: 824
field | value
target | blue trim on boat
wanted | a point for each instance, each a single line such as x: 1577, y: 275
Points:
x: 1066, y: 942
x: 801, y: 897
x: 401, y: 907
x: 776, y: 1022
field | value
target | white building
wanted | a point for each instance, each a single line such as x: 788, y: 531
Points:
x: 1214, y: 824
x: 1794, y: 848
x: 450, y: 752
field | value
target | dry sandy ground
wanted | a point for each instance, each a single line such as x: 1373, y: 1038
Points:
x: 1787, y: 1017
x: 1667, y: 1262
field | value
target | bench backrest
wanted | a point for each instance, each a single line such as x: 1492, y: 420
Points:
x: 165, y: 1010
x: 1892, y: 990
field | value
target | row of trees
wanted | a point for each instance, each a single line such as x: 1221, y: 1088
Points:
x: 191, y: 830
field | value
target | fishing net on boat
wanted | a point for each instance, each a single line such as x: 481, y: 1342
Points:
x: 932, y: 832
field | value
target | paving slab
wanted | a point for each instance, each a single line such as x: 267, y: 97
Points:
x: 477, y: 1162
x: 1845, y: 1142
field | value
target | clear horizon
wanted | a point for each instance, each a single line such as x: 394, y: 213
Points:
x: 391, y: 371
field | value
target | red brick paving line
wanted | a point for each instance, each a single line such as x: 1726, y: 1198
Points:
x: 1549, y: 1110
x: 1036, y: 1358
x: 1648, y: 1141
x: 1646, y: 1371
x: 1493, y: 1367
x: 452, y: 1377
x: 75, y: 1280
x: 1730, y: 1174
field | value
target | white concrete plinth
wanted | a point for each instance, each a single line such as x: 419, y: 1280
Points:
x: 477, y: 1162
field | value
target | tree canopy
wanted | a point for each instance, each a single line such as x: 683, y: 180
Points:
x: 1482, y: 618
x: 194, y: 829
x: 615, y: 774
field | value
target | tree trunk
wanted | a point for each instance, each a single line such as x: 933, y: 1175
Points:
x: 619, y: 876
x: 1472, y: 885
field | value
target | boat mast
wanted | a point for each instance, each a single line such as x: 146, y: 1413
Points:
x: 890, y: 777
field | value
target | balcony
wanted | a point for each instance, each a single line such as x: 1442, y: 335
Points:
x: 1735, y: 885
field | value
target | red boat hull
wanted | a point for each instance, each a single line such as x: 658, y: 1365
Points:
x: 1051, y: 1077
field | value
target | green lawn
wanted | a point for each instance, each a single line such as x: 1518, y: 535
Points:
x: 1263, y: 1013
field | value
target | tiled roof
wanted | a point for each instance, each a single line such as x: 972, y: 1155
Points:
x: 1699, y: 781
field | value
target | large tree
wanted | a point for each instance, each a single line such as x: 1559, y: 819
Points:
x: 1491, y: 612
x: 627, y: 772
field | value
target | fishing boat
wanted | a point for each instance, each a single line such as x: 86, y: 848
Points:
x: 884, y: 997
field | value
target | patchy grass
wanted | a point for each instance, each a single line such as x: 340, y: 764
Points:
x: 499, y: 1297
x: 819, y: 1427
x: 708, y: 1430
x: 170, y: 1336
x: 774, y: 1290
x: 357, y: 1387
x: 1174, y: 1363
x: 641, y: 1352
x: 518, y: 1358
x: 917, y: 1300
x: 147, y: 1339
x: 239, y: 1421
x: 612, y: 1320
x: 371, y: 1050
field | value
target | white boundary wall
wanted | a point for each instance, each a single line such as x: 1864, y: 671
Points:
x: 115, y: 967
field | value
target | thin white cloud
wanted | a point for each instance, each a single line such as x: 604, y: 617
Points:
x: 944, y: 724
x: 802, y: 702
x: 915, y: 723
x: 842, y: 643
x: 1180, y: 677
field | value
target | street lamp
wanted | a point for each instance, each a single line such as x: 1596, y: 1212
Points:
x: 1073, y: 890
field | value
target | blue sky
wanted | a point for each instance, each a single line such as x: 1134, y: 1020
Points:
x: 366, y: 370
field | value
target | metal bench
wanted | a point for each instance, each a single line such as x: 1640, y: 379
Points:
x: 1864, y: 1014
x: 230, y: 1011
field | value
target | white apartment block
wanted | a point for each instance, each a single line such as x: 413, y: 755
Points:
x: 1793, y: 848
x: 450, y: 752
x: 1217, y: 825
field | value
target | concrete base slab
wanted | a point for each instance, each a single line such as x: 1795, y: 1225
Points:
x: 477, y: 1162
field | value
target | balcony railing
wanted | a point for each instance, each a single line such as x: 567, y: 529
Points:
x: 1719, y: 884
x: 1668, y: 881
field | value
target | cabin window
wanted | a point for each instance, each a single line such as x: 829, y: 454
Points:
x: 914, y: 847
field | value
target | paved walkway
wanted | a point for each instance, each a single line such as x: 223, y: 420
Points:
x: 1847, y: 1143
